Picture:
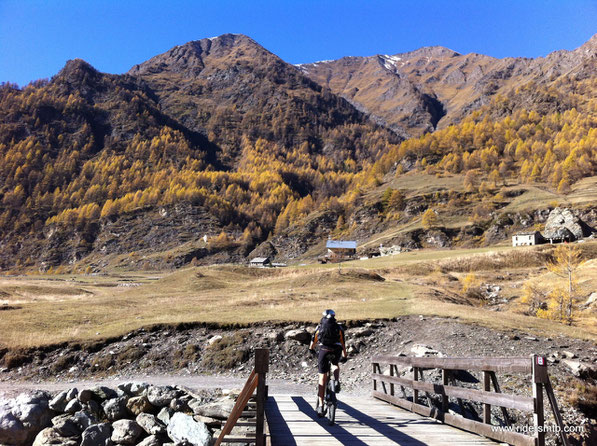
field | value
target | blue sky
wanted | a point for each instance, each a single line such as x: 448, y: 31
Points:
x: 38, y: 36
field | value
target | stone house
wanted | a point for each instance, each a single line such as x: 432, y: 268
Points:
x: 260, y: 262
x: 527, y: 238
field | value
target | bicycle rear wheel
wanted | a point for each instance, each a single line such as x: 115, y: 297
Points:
x: 332, y: 413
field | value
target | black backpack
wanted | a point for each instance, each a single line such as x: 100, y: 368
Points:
x: 329, y: 332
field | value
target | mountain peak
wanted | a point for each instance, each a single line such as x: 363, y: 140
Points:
x: 431, y: 51
x: 76, y: 65
x: 76, y: 71
x: 189, y: 58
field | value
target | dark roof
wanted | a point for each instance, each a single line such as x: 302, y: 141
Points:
x: 341, y: 244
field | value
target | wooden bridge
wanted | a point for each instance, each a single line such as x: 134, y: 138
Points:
x: 396, y: 413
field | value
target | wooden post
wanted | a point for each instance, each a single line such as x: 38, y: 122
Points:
x: 429, y: 399
x: 415, y: 391
x: 539, y: 374
x: 261, y: 368
x: 392, y: 384
x: 486, y: 407
x: 445, y: 399
x: 556, y: 412
x: 496, y: 387
x: 374, y: 380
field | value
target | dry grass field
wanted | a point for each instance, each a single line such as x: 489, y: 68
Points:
x: 38, y: 310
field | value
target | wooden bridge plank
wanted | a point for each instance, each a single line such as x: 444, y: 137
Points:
x: 360, y: 421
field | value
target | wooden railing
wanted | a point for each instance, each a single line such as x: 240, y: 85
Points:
x: 384, y: 388
x: 255, y: 382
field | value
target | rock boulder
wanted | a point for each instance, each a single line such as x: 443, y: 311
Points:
x: 183, y: 428
x: 562, y: 223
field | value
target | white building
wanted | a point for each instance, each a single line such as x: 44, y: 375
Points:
x: 260, y: 262
x: 527, y: 238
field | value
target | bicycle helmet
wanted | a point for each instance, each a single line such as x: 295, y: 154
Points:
x: 329, y: 314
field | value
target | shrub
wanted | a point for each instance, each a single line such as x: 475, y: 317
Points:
x: 15, y: 359
x: 583, y: 396
x: 226, y: 353
x: 102, y: 362
x: 189, y: 354
x: 63, y: 362
x: 130, y: 354
x: 470, y: 286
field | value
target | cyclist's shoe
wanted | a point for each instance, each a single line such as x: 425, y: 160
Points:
x: 319, y: 411
x: 336, y: 386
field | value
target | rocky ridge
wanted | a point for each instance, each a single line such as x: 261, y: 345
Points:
x: 417, y: 91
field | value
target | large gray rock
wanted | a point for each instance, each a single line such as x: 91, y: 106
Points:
x: 84, y: 419
x: 59, y: 402
x: 150, y: 424
x: 219, y: 409
x: 71, y: 394
x: 115, y: 408
x: 580, y: 369
x: 183, y: 428
x: 126, y: 432
x: 73, y: 406
x: 97, y: 435
x: 66, y: 426
x: 103, y: 393
x: 23, y: 417
x: 161, y: 396
x: 12, y: 430
x: 165, y: 415
x: 94, y: 408
x: 85, y: 395
x: 134, y: 389
x: 178, y: 405
x: 300, y: 334
x: 420, y: 350
x: 139, y: 404
x: 50, y: 436
x: 561, y: 223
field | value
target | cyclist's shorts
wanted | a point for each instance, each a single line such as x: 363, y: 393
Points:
x: 327, y: 355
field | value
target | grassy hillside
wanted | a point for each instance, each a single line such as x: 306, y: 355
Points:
x: 49, y: 309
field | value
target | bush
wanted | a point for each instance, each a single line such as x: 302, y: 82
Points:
x: 130, y: 354
x: 583, y: 396
x: 15, y: 359
x: 226, y: 353
x: 102, y: 362
x: 183, y: 357
x: 63, y: 362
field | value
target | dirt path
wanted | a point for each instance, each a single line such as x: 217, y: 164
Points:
x: 9, y: 389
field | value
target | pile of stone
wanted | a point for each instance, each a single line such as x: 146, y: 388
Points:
x: 131, y: 414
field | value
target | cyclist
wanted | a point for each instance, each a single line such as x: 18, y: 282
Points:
x: 332, y: 349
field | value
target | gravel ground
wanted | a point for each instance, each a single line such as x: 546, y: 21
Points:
x: 202, y: 357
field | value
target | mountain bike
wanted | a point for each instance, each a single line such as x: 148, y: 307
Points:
x: 330, y: 402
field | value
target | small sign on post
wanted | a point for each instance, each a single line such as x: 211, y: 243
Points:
x: 540, y: 369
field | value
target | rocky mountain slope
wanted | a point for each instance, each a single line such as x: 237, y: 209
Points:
x: 230, y: 86
x: 219, y: 123
x: 265, y: 154
x: 417, y: 91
